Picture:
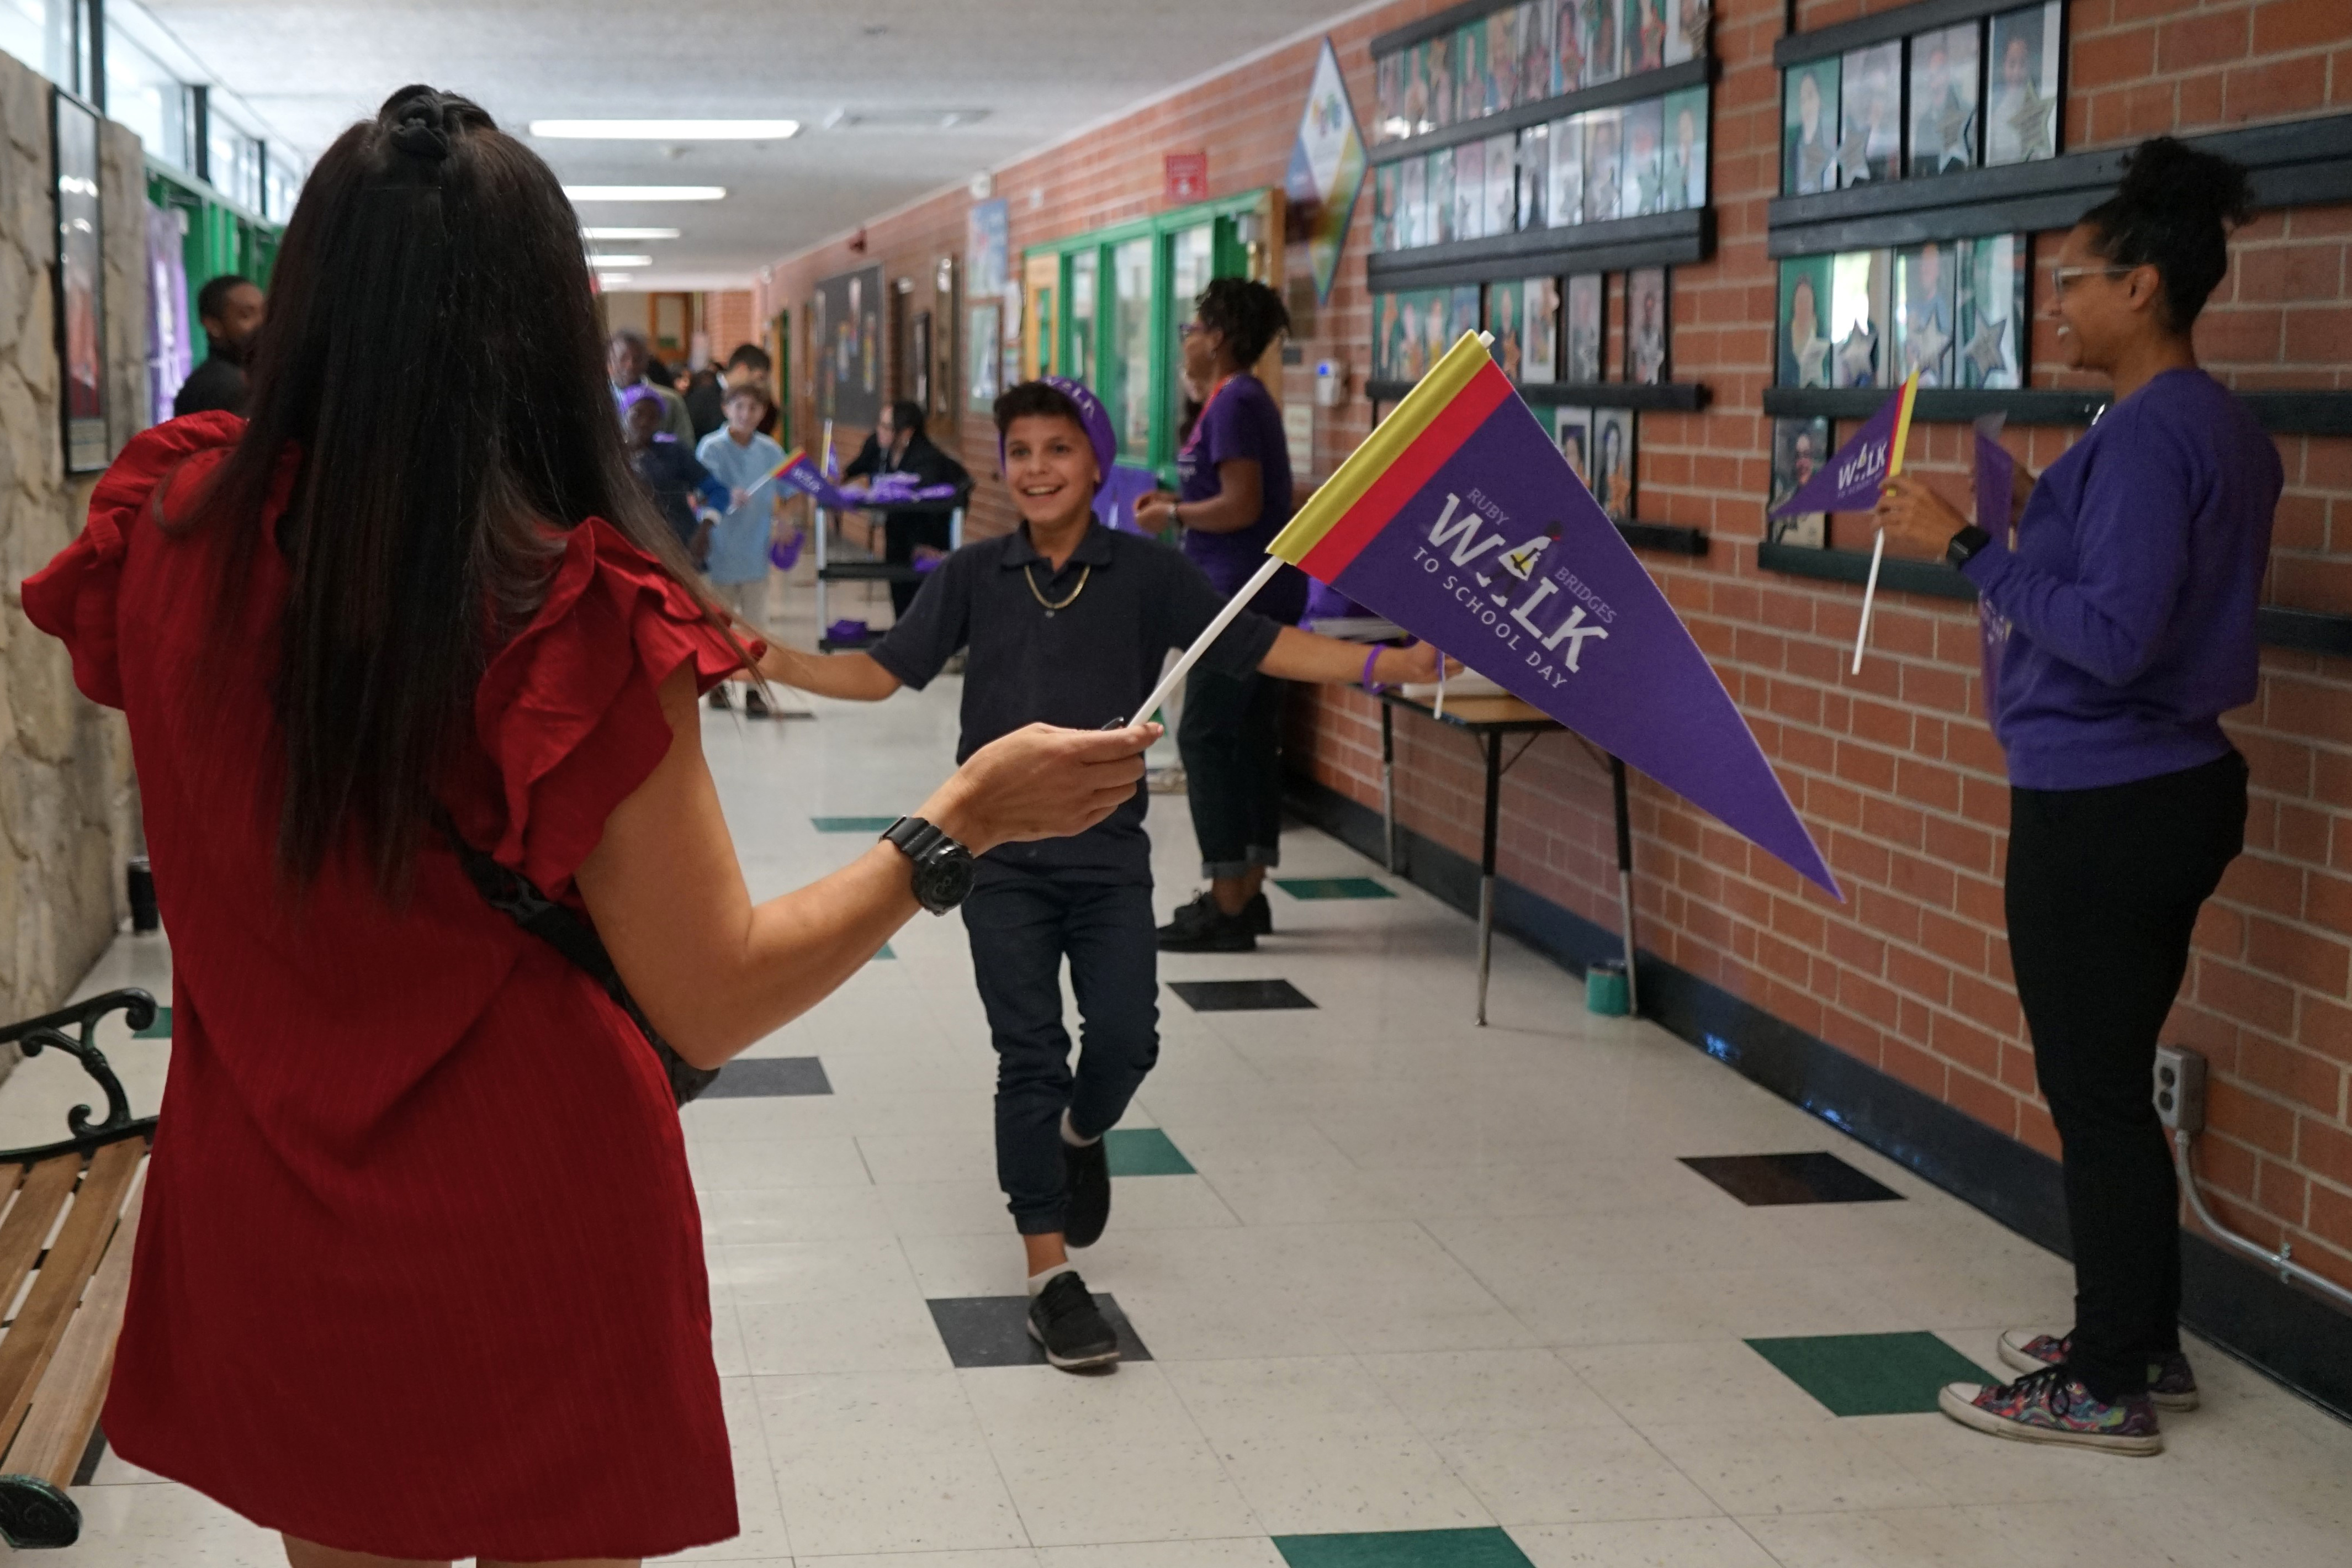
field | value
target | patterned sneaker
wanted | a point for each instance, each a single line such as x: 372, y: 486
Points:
x: 2170, y: 1383
x: 2048, y: 1406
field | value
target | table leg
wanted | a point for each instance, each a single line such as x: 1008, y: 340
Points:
x: 1625, y: 879
x: 1388, y: 787
x: 1487, y: 869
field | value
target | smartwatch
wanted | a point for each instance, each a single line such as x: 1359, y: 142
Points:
x: 942, y: 868
x: 1965, y: 545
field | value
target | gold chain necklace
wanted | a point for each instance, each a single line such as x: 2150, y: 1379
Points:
x: 1051, y: 606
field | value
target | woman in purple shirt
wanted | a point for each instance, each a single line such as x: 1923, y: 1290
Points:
x: 2120, y: 627
x: 1232, y: 498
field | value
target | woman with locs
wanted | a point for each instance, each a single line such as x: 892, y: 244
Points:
x: 2118, y: 602
x: 420, y: 1272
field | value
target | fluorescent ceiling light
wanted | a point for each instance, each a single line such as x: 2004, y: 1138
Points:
x: 628, y: 233
x: 620, y: 261
x: 667, y: 130
x: 646, y: 192
x: 614, y: 279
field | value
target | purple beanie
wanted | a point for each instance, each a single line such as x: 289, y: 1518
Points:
x: 1093, y: 416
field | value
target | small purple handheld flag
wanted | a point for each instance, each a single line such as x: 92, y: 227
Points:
x: 1459, y: 520
x: 1850, y: 480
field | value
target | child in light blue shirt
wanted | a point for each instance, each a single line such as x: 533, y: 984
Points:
x: 739, y: 457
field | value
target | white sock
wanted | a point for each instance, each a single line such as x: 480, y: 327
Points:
x: 1070, y: 1135
x: 1037, y: 1282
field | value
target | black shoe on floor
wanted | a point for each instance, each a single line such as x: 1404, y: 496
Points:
x: 719, y: 698
x: 1088, y: 1166
x: 1064, y: 1319
x: 755, y: 705
x: 1258, y: 915
x: 1202, y: 927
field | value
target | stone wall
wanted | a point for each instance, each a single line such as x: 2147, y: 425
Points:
x: 68, y: 801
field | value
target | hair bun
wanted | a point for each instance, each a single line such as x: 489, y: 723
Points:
x: 2170, y: 174
x: 420, y: 123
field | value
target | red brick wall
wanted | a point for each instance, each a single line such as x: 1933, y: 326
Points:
x: 728, y: 316
x: 1894, y: 768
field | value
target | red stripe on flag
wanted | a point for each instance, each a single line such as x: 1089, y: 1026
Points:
x: 1404, y: 479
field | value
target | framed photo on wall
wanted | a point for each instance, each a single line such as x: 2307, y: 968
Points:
x: 1924, y: 308
x: 80, y: 282
x: 1502, y: 197
x: 1584, y: 328
x: 1991, y: 311
x: 1539, y: 332
x: 1535, y: 175
x: 1644, y: 134
x: 1809, y: 160
x: 1803, y: 333
x: 1469, y: 190
x: 1860, y: 300
x: 1564, y: 200
x: 1944, y: 88
x: 1686, y: 166
x: 2021, y: 84
x: 1504, y: 323
x: 1646, y: 326
x: 1573, y: 430
x: 1612, y: 462
x: 1604, y: 163
x: 1870, y: 114
x: 1800, y: 447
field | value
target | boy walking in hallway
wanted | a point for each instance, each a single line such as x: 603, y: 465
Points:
x: 1066, y: 622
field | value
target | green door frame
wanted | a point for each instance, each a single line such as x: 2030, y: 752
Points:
x: 1229, y: 258
x: 223, y: 236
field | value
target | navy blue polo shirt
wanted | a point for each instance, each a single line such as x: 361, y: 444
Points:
x: 1073, y: 647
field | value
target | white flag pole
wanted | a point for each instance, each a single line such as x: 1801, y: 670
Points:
x: 1208, y: 634
x: 1869, y: 590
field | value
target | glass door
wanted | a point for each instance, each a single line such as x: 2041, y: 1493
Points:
x: 1042, y: 278
x: 1127, y: 370
x: 1080, y: 354
x: 1192, y: 262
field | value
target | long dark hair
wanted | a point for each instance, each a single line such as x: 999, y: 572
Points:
x: 2174, y: 211
x: 432, y: 354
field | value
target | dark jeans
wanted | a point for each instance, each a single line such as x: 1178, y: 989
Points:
x: 2103, y: 894
x: 1231, y: 739
x: 1021, y: 928
x: 902, y: 529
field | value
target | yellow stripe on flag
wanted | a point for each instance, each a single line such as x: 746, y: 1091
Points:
x: 1344, y: 487
x: 1903, y: 424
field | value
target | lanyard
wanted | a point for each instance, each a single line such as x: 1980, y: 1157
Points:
x: 1201, y: 426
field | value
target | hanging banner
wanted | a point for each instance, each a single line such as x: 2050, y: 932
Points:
x: 1327, y: 168
x: 1460, y: 519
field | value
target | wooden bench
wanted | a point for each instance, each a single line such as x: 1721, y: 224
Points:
x: 72, y: 1215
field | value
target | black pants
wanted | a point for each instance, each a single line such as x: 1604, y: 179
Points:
x: 1231, y: 739
x: 2103, y: 893
x: 902, y: 529
x: 1021, y: 928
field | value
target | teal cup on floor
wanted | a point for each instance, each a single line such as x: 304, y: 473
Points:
x: 1604, y: 987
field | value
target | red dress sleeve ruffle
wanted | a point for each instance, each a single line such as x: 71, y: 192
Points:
x: 73, y: 598
x: 569, y: 711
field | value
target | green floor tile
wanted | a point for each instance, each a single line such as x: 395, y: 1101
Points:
x: 161, y: 1029
x: 1144, y: 1152
x: 1487, y: 1548
x: 885, y: 953
x: 1870, y: 1375
x: 851, y: 824
x: 1332, y: 888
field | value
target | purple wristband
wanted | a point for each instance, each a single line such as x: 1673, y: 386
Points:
x: 1371, y: 659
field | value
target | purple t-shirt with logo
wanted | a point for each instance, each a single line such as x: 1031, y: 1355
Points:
x: 1241, y: 422
x: 2122, y: 625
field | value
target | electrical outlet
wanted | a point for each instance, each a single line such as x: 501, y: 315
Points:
x: 2180, y: 1089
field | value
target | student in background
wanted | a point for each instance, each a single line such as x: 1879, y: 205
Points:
x: 670, y: 471
x: 230, y: 309
x: 1233, y: 497
x: 1068, y: 622
x: 628, y: 360
x: 736, y: 562
x: 898, y: 446
x: 750, y: 364
x: 2119, y: 617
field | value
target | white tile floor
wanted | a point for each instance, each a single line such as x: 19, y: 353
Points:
x: 1427, y: 1275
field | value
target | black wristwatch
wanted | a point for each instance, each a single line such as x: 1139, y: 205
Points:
x: 942, y: 866
x: 1965, y: 545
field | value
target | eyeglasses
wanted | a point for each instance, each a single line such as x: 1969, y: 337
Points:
x: 2065, y: 276
x: 1186, y: 328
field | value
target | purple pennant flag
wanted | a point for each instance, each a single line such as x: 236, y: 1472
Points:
x: 1996, y: 472
x: 1121, y: 488
x: 1464, y: 523
x: 885, y: 489
x: 1850, y: 480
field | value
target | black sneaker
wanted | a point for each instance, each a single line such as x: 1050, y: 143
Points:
x: 1088, y: 1166
x: 1064, y: 1319
x: 755, y: 705
x: 1202, y: 927
x: 1258, y: 915
x: 719, y: 698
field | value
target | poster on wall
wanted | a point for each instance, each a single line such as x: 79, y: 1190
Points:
x: 981, y: 361
x: 988, y: 248
x: 170, y: 350
x: 80, y: 274
x: 846, y: 322
x: 1327, y: 168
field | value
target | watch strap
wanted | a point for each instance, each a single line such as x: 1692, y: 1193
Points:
x: 1965, y: 545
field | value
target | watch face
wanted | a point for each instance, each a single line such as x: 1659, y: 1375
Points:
x: 946, y: 880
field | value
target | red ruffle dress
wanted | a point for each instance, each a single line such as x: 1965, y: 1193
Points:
x: 420, y: 1271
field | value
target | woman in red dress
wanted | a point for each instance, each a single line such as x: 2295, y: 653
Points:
x: 420, y: 1272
